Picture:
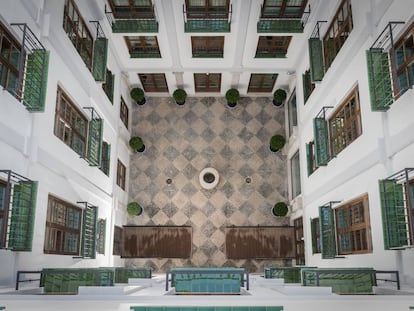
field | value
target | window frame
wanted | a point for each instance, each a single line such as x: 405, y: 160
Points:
x: 105, y: 160
x: 132, y: 11
x: 117, y: 244
x: 272, y: 46
x: 316, y: 236
x: 4, y: 213
x: 141, y: 46
x: 359, y: 226
x: 207, y: 46
x: 295, y: 183
x: 207, y: 11
x: 124, y: 113
x: 69, y: 129
x: 153, y: 82
x: 299, y: 241
x: 282, y: 10
x: 47, y: 249
x: 335, y: 30
x: 338, y: 129
x: 210, y: 84
x: 292, y: 112
x: 121, y: 175
x: 261, y: 78
x: 108, y: 85
x: 308, y: 86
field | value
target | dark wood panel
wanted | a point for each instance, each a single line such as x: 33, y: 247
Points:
x: 260, y: 242
x: 157, y: 242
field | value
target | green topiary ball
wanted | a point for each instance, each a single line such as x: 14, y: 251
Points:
x: 134, y: 209
x: 280, y: 209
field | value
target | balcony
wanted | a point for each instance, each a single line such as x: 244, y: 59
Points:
x: 132, y: 24
x: 282, y: 22
x: 219, y: 21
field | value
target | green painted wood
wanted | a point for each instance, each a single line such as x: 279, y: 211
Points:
x: 276, y: 25
x: 309, y: 160
x: 99, y: 59
x: 135, y: 25
x: 22, y: 216
x: 101, y: 234
x: 327, y: 232
x: 207, y: 25
x: 94, y: 144
x: 322, y: 151
x: 379, y: 79
x: 316, y: 59
x: 122, y: 274
x: 35, y: 84
x: 393, y: 214
x: 89, y: 225
x: 314, y: 228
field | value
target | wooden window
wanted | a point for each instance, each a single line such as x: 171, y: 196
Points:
x: 9, y: 62
x: 105, y: 158
x: 299, y: 241
x: 117, y: 241
x: 353, y: 229
x: 108, y: 85
x: 262, y: 82
x: 310, y: 157
x: 338, y: 31
x: 404, y: 62
x: 132, y: 9
x: 316, y: 236
x: 207, y: 82
x: 100, y: 236
x: 124, y: 113
x: 283, y: 8
x: 207, y: 46
x: 207, y: 8
x: 63, y: 227
x: 153, y: 82
x: 78, y: 32
x: 121, y: 175
x: 143, y: 46
x: 345, y: 124
x: 295, y: 173
x: 70, y: 125
x: 272, y: 46
x: 308, y: 86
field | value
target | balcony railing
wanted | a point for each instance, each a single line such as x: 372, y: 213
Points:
x: 209, y: 23
x: 132, y: 25
x: 268, y: 24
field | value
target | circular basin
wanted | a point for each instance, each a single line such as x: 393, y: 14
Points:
x: 209, y: 178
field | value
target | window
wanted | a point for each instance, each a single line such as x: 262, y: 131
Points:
x: 207, y: 8
x: 132, y: 9
x: 205, y: 82
x: 143, y: 46
x: 153, y: 82
x: 404, y: 58
x: 100, y: 236
x: 295, y: 172
x: 345, y: 124
x: 121, y: 175
x: 117, y: 241
x: 4, y: 209
x: 310, y: 157
x: 272, y: 46
x: 299, y: 241
x: 9, y: 62
x: 308, y: 86
x: 337, y: 33
x: 78, y: 32
x: 106, y: 158
x: 283, y: 8
x: 353, y: 227
x: 316, y: 236
x: 292, y: 112
x: 108, y: 85
x: 124, y: 113
x: 262, y: 82
x: 70, y: 125
x: 63, y: 227
x: 207, y: 46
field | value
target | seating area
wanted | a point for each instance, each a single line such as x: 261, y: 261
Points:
x: 207, y: 280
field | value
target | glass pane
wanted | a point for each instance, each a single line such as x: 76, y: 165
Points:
x: 2, y: 197
x: 5, y: 48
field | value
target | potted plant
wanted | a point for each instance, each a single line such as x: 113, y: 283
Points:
x: 137, y: 94
x: 232, y: 96
x: 276, y: 142
x: 137, y: 144
x: 134, y: 209
x: 278, y: 97
x: 280, y: 209
x: 179, y: 96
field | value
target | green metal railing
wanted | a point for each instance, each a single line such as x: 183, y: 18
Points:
x: 207, y: 25
x: 279, y: 25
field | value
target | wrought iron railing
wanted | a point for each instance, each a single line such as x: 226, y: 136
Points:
x: 132, y: 23
x: 213, y: 22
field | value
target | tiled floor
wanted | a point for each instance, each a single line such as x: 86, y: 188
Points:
x: 183, y: 140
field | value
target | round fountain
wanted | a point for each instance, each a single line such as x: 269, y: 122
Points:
x: 209, y: 178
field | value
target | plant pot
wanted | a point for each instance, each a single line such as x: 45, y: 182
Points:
x: 142, y: 102
x: 274, y: 150
x: 232, y: 105
x: 180, y: 103
x: 277, y: 104
x: 142, y: 149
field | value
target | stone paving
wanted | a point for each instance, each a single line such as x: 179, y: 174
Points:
x: 183, y: 140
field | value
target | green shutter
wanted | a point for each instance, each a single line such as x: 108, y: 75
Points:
x: 106, y: 158
x: 379, y: 79
x: 111, y: 81
x: 22, y: 216
x: 322, y: 154
x: 305, y: 82
x: 101, y: 234
x: 100, y: 55
x: 89, y: 225
x: 35, y: 84
x: 314, y: 227
x: 327, y: 232
x: 309, y: 159
x: 316, y: 59
x: 393, y: 214
x: 94, y: 151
